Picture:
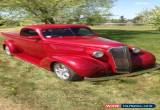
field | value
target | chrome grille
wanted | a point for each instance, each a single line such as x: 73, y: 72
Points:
x: 122, y: 59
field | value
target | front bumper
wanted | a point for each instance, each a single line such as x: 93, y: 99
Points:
x: 119, y: 76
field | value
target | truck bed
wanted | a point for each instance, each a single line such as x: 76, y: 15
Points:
x: 10, y: 34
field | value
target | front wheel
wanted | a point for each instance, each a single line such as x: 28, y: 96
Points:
x: 65, y: 73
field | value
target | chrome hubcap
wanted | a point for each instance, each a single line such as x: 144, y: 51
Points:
x: 61, y: 71
x: 7, y: 50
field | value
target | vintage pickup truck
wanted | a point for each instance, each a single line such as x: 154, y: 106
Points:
x: 75, y: 51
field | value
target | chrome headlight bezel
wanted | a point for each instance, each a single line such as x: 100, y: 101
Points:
x: 136, y: 50
x: 97, y: 54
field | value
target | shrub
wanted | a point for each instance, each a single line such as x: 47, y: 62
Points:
x: 8, y: 22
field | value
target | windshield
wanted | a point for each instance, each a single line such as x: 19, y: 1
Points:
x: 64, y: 32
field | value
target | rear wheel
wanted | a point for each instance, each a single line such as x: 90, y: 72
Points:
x: 7, y: 50
x: 65, y: 73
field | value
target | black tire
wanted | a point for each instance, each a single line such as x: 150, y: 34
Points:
x: 72, y: 75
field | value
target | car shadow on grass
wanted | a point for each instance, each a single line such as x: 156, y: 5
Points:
x: 122, y: 35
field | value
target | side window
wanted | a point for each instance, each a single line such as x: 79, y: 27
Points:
x: 28, y: 32
x: 84, y: 31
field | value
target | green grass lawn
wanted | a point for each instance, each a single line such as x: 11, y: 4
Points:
x: 26, y: 87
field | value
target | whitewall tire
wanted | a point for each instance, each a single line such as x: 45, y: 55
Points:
x: 7, y: 51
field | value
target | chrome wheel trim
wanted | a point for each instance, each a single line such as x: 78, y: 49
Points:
x: 7, y: 50
x: 62, y: 71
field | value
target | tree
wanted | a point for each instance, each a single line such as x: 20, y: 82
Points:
x: 151, y: 17
x: 50, y: 11
x: 45, y: 10
x: 95, y: 18
x: 90, y: 12
x: 122, y: 19
x: 138, y: 19
x: 7, y: 22
x: 155, y: 17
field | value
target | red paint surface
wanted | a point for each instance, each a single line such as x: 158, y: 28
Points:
x: 75, y: 52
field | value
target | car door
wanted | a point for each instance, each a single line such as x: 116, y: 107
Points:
x: 30, y: 44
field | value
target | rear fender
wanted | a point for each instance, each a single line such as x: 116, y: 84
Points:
x: 11, y: 46
x: 83, y: 66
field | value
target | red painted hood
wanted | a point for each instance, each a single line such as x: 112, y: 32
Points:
x: 87, y: 41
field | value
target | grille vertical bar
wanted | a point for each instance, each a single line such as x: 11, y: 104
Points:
x: 122, y: 59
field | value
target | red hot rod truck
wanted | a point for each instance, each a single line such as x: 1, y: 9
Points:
x: 74, y: 51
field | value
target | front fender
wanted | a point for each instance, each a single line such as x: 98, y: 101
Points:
x: 83, y: 66
x: 143, y: 60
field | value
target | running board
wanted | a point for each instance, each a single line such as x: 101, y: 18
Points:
x: 115, y: 77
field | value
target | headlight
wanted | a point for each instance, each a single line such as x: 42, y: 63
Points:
x: 136, y: 50
x: 97, y: 54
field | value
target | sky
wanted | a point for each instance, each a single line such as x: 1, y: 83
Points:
x: 130, y: 8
